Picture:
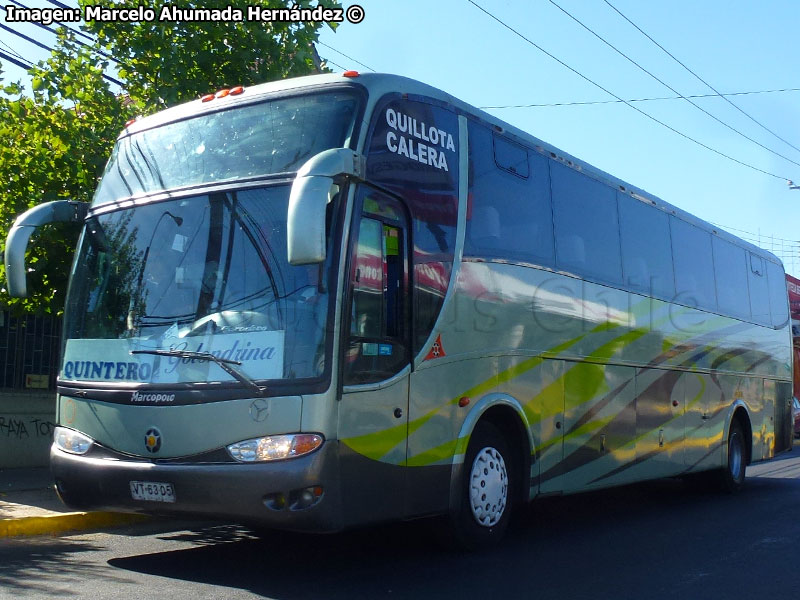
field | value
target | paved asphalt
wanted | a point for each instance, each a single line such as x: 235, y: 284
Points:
x: 664, y: 539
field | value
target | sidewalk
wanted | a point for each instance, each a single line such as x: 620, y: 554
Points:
x: 29, y: 506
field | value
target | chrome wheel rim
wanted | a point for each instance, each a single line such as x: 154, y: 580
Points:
x: 488, y: 489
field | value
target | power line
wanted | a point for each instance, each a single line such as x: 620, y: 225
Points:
x: 80, y: 43
x: 14, y: 52
x: 330, y: 62
x: 79, y: 32
x: 46, y: 47
x: 345, y: 55
x: 629, y: 104
x: 26, y: 38
x: 59, y: 4
x: 711, y: 87
x: 672, y: 89
x: 14, y: 61
x: 93, y: 39
x: 590, y: 102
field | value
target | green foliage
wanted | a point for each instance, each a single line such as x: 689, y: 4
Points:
x: 55, y: 142
x: 170, y: 62
x: 54, y: 145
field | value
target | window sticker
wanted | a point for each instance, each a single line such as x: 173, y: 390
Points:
x: 391, y: 241
x: 261, y: 355
x: 179, y: 243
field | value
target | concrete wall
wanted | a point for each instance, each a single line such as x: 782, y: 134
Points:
x: 26, y: 428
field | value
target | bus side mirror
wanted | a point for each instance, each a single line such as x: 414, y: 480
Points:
x: 58, y: 211
x: 309, y: 197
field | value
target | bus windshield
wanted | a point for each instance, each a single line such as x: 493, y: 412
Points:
x: 206, y: 273
x: 276, y: 136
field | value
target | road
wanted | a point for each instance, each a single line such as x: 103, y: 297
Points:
x: 664, y: 539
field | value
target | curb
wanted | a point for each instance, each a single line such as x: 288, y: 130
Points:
x: 60, y: 523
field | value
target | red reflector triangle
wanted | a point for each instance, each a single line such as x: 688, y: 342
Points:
x: 436, y: 351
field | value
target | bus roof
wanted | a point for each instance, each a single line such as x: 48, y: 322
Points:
x: 379, y: 84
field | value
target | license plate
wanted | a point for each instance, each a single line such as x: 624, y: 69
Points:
x: 152, y: 491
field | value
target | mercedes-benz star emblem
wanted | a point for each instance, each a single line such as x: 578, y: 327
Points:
x: 152, y: 440
x: 259, y: 410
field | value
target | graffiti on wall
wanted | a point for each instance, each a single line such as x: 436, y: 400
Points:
x: 25, y: 429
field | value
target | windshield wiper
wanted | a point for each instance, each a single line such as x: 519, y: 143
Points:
x: 224, y: 364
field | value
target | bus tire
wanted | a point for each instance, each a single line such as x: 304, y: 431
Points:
x: 487, y: 490
x: 733, y: 474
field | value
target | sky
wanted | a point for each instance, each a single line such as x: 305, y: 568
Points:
x: 736, y: 46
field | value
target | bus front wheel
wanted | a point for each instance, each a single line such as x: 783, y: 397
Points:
x: 486, y: 490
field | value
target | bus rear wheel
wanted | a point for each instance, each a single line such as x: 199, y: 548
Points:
x: 733, y: 474
x: 486, y: 488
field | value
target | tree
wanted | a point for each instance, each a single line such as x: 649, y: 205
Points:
x: 166, y: 62
x: 55, y: 142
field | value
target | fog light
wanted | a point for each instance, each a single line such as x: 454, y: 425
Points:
x: 71, y: 441
x: 305, y: 498
x: 275, y: 501
x: 275, y: 447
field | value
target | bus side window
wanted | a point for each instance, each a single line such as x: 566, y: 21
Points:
x: 646, y: 248
x: 730, y: 273
x: 509, y: 216
x: 378, y: 334
x: 778, y: 300
x: 759, y: 290
x: 694, y: 267
x: 586, y: 225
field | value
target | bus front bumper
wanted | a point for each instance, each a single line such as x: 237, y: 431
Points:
x: 299, y: 494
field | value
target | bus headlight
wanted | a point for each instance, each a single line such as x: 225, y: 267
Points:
x: 71, y: 441
x: 275, y: 447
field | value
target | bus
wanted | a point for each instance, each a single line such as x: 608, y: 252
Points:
x: 349, y: 298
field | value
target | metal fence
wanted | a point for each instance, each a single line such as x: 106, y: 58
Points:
x: 29, y: 351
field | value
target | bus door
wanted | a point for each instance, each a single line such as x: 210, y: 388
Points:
x: 373, y: 412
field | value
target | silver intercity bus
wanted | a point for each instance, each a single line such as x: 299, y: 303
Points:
x: 338, y: 300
